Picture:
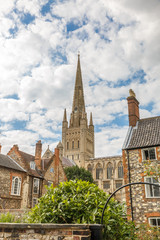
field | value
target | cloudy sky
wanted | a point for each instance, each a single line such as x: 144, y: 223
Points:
x: 119, y: 44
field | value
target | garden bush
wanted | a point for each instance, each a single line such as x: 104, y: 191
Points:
x: 75, y: 172
x: 82, y: 202
x: 10, y: 218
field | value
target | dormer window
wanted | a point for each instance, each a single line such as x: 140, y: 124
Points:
x: 149, y: 154
x: 32, y: 165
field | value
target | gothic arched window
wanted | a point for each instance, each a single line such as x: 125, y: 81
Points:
x: 16, y: 186
x: 120, y: 170
x: 89, y: 168
x: 109, y: 170
x: 99, y: 171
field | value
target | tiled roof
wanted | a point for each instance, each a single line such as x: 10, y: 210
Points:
x: 46, y: 163
x: 8, y: 162
x: 67, y: 162
x: 27, y: 159
x: 145, y: 134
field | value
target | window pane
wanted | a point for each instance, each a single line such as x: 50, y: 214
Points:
x: 106, y: 185
x: 120, y: 170
x: 146, y: 154
x: 158, y: 221
x: 118, y: 184
x: 109, y: 171
x: 90, y: 168
x: 153, y: 222
x: 152, y: 154
x: 16, y: 186
x: 36, y: 185
x: 98, y: 173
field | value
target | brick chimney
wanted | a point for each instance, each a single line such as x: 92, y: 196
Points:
x: 133, y: 108
x: 38, y: 152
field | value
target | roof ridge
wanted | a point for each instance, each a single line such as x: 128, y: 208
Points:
x: 143, y: 119
x: 26, y: 153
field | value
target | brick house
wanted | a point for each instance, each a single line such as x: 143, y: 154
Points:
x: 142, y: 143
x: 40, y: 171
x: 12, y: 178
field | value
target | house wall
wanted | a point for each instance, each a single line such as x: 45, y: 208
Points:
x: 14, y: 154
x: 6, y: 199
x: 142, y: 207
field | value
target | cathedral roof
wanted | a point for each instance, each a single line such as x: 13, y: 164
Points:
x: 146, y: 133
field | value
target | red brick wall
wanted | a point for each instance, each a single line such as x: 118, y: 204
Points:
x: 133, y: 111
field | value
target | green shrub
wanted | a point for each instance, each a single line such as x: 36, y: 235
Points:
x: 10, y: 218
x: 73, y: 173
x: 81, y: 202
x: 146, y: 232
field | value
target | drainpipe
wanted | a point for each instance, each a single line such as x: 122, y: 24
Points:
x: 130, y: 188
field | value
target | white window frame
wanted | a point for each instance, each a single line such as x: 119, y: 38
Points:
x: 16, y: 186
x: 34, y: 182
x: 147, y: 149
x: 152, y: 218
x: 32, y: 165
x: 148, y: 187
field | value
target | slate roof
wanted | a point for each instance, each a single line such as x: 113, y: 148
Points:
x: 145, y: 134
x: 27, y: 159
x: 8, y: 162
x: 68, y: 162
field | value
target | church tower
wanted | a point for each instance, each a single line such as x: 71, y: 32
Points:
x: 78, y: 136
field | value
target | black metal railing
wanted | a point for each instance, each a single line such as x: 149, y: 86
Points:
x: 129, y: 184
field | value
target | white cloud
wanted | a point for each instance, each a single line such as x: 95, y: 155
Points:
x: 116, y: 39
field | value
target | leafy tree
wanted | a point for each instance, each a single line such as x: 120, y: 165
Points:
x: 73, y: 173
x: 82, y: 202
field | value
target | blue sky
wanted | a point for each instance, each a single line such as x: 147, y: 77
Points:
x: 39, y: 41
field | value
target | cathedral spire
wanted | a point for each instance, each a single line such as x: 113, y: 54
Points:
x: 78, y: 99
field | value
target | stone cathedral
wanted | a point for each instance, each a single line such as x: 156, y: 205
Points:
x: 78, y: 144
x: 78, y: 135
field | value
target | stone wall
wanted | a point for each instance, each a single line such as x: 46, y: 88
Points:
x: 143, y: 207
x: 49, y: 231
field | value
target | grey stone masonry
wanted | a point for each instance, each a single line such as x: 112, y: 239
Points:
x: 23, y: 231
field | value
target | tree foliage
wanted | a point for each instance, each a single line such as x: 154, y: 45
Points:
x: 73, y: 173
x: 82, y: 202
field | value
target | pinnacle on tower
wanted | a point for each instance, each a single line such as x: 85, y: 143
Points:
x: 65, y: 116
x: 91, y: 120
